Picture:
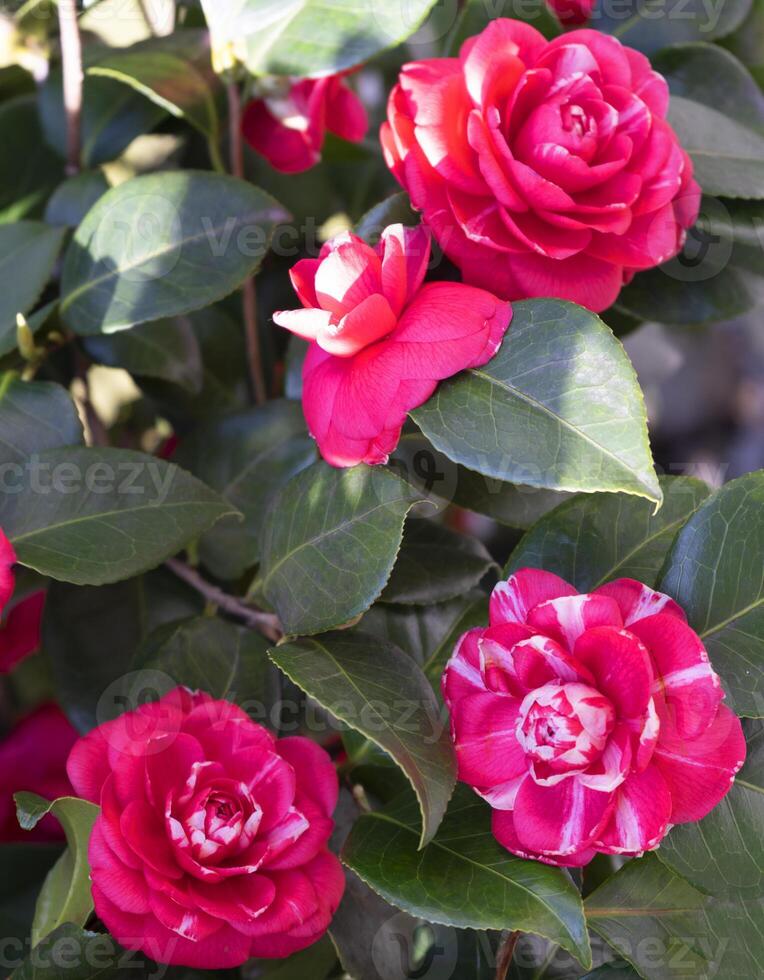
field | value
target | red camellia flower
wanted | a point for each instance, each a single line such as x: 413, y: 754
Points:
x: 211, y: 845
x: 20, y: 631
x: 588, y: 722
x: 380, y: 342
x: 288, y: 127
x: 572, y: 11
x: 33, y: 758
x: 544, y: 168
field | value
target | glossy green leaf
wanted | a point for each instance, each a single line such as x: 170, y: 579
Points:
x: 376, y: 689
x: 464, y: 877
x: 668, y: 930
x: 113, y: 115
x: 558, y: 407
x: 747, y: 43
x: 723, y: 854
x: 309, y: 37
x: 331, y: 540
x: 420, y: 631
x: 93, y: 516
x: 435, y: 564
x: 208, y: 654
x: 90, y: 686
x: 29, y: 169
x: 73, y: 198
x: 717, y: 111
x: 593, y: 539
x: 316, y: 962
x: 35, y: 416
x: 65, y: 896
x: 165, y: 349
x: 33, y: 247
x: 173, y: 72
x: 162, y: 245
x: 475, y: 15
x: 247, y: 457
x: 650, y: 25
x: 714, y: 571
x: 76, y: 954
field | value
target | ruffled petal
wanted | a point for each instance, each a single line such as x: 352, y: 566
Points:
x: 511, y: 601
x: 641, y: 816
x: 559, y: 820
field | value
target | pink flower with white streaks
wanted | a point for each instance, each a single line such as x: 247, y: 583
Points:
x: 588, y: 722
x: 572, y: 12
x: 380, y: 341
x: 288, y: 127
x: 211, y: 844
x: 20, y: 628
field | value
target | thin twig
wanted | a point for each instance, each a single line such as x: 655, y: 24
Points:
x: 249, y: 296
x: 71, y: 57
x: 266, y: 623
x: 506, y: 952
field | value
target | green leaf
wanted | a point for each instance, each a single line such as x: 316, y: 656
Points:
x: 717, y: 111
x: 308, y: 37
x: 590, y: 540
x: 394, y: 210
x: 76, y: 954
x: 376, y: 689
x: 65, y: 896
x: 474, y: 614
x: 161, y: 245
x: 35, y: 416
x: 73, y: 198
x: 331, y: 540
x: 23, y: 869
x: 723, y: 854
x: 443, y: 481
x: 714, y: 571
x: 172, y: 72
x: 165, y: 349
x: 558, y: 407
x: 92, y: 516
x: 208, y: 654
x: 747, y: 43
x: 668, y: 930
x: 421, y: 630
x: 33, y: 247
x: 718, y: 275
x: 247, y: 457
x: 435, y: 564
x: 112, y: 117
x: 89, y: 685
x: 29, y: 169
x: 650, y: 25
x: 316, y: 962
x: 464, y: 877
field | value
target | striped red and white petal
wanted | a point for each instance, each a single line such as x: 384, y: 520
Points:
x: 566, y: 618
x: 699, y: 772
x: 511, y: 601
x: 641, y: 816
x: 463, y: 676
x: 559, y: 820
x: 484, y: 731
x: 684, y: 674
x: 503, y: 828
x: 613, y: 766
x: 637, y: 601
x: 529, y: 663
x: 497, y: 647
x: 621, y: 666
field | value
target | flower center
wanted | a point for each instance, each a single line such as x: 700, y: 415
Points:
x: 564, y: 727
x: 220, y: 820
x: 575, y: 120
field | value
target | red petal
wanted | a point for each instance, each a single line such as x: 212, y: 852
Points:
x: 566, y: 618
x: 636, y: 601
x: 345, y: 113
x: 621, y: 666
x: 463, y: 675
x: 559, y: 820
x: 7, y: 561
x: 503, y: 828
x: 641, y: 816
x: 20, y: 634
x: 485, y: 739
x: 314, y: 771
x: 405, y: 254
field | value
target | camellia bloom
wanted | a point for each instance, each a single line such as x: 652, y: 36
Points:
x: 381, y: 341
x: 588, y: 722
x: 572, y: 11
x: 20, y: 632
x: 288, y: 128
x: 33, y: 758
x: 544, y: 168
x: 211, y: 844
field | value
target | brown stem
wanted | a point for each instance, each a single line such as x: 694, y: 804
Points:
x: 249, y: 296
x: 266, y: 623
x: 71, y: 57
x: 506, y: 952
